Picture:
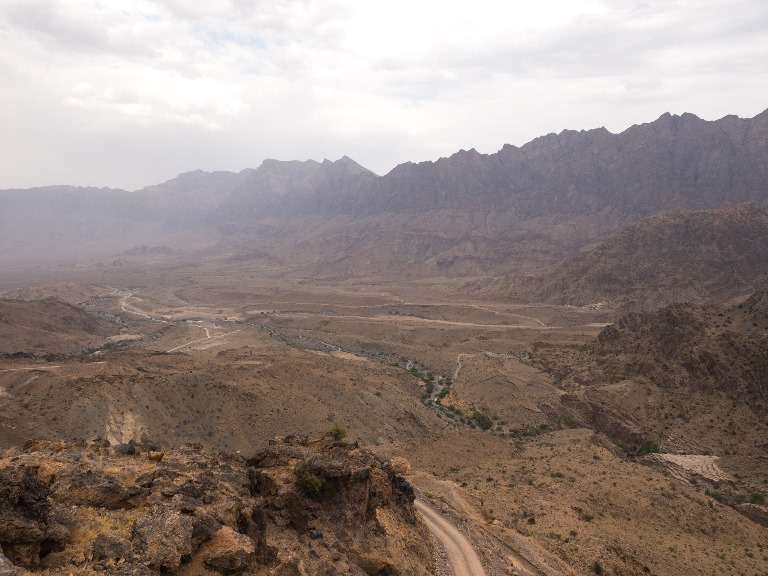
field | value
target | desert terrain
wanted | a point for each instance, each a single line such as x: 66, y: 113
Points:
x: 552, y: 358
x: 229, y: 359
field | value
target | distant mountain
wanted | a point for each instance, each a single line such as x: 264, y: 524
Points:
x: 678, y: 256
x: 674, y: 162
x: 515, y: 210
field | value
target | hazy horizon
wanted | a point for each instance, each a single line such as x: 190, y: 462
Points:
x: 124, y: 97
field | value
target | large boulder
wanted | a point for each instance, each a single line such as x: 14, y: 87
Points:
x: 93, y: 488
x: 24, y: 510
x: 165, y: 538
x: 229, y: 552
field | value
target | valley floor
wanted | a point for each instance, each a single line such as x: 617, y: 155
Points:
x: 531, y: 470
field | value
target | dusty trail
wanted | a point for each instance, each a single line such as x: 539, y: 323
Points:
x: 462, y: 556
x: 201, y: 340
x: 539, y: 322
x: 126, y: 307
x: 415, y: 320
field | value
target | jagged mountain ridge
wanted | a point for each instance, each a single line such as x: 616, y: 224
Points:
x: 480, y: 212
x: 673, y: 162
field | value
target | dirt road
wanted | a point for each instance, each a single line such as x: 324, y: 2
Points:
x: 462, y: 556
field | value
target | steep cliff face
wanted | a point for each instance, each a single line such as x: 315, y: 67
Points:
x: 299, y: 507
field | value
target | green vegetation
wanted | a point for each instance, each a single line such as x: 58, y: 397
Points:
x: 482, y: 420
x: 338, y: 433
x: 647, y: 447
x: 715, y: 494
x: 308, y: 479
x: 757, y: 498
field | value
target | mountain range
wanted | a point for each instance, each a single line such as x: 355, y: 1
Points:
x: 516, y: 210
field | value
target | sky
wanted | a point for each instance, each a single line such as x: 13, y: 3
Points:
x: 131, y: 93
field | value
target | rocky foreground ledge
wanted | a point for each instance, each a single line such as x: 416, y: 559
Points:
x: 298, y: 507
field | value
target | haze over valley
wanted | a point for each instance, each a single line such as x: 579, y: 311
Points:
x: 558, y: 350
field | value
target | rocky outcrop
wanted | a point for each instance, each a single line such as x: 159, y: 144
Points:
x: 300, y: 506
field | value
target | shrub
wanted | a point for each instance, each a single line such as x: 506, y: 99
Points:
x: 482, y: 420
x: 338, y: 433
x: 308, y: 480
x: 756, y: 498
x: 597, y: 567
x: 715, y: 494
x: 647, y: 447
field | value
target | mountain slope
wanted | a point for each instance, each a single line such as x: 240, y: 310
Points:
x: 692, y: 379
x: 49, y: 325
x: 680, y: 256
x: 673, y: 162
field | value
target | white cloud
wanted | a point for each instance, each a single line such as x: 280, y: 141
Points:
x: 90, y: 87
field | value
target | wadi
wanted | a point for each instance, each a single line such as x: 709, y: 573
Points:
x: 553, y: 357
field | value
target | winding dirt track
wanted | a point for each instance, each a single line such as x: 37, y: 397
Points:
x: 462, y: 556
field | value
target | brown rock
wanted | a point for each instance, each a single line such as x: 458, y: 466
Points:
x: 229, y: 552
x: 163, y: 537
x: 24, y: 511
x: 107, y: 547
x: 291, y: 567
x: 90, y: 488
x: 400, y: 465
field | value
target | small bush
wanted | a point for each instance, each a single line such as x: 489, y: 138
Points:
x: 308, y: 480
x: 597, y: 567
x: 482, y: 420
x: 715, y: 494
x: 756, y: 498
x: 338, y: 433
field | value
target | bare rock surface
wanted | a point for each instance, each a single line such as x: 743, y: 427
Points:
x: 300, y: 506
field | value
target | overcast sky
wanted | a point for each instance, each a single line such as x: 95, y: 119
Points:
x: 130, y: 93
